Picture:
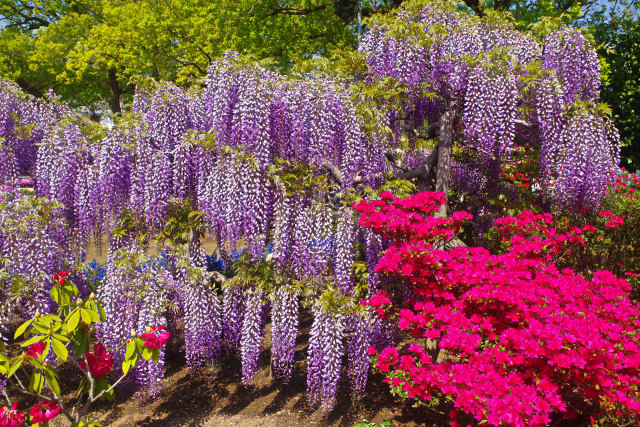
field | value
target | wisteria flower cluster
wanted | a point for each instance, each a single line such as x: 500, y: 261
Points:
x: 516, y: 321
x: 482, y: 73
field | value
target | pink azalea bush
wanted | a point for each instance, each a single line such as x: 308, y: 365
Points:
x: 515, y: 335
x: 607, y: 240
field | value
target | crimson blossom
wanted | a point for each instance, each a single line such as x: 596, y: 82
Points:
x: 36, y: 349
x: 60, y: 278
x: 11, y: 417
x: 535, y: 333
x: 155, y: 338
x: 45, y: 411
x: 100, y: 361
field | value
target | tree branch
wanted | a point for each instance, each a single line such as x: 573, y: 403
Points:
x: 333, y: 170
x: 396, y: 161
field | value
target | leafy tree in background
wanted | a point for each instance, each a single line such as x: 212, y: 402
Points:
x: 88, y: 49
x: 618, y: 34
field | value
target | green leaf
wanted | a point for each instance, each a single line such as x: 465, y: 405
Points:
x: 86, y: 316
x: 131, y: 350
x: 15, y: 367
x: 81, y: 345
x: 72, y: 320
x: 45, y: 352
x: 37, y: 382
x: 59, y: 349
x: 35, y: 362
x: 146, y: 353
x: 22, y: 328
x: 52, y: 381
x: 126, y: 365
x: 33, y: 340
x: 55, y: 295
x: 61, y: 337
x: 95, y: 317
x: 50, y: 318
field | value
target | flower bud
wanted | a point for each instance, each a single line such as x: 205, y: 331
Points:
x: 133, y: 333
x: 37, y: 315
x: 92, y: 296
x: 79, y: 301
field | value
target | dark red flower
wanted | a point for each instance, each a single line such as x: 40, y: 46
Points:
x: 100, y: 361
x: 36, y: 349
x: 60, y: 278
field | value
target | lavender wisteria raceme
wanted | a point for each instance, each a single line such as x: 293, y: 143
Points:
x: 23, y: 123
x: 284, y: 329
x: 233, y: 307
x: 117, y: 293
x: 324, y: 358
x: 322, y: 238
x: 168, y: 117
x: 315, y: 355
x: 202, y: 317
x: 284, y: 230
x: 34, y: 245
x: 586, y: 144
x: 332, y: 359
x: 489, y: 117
x: 134, y: 299
x: 116, y: 165
x: 358, y: 341
x: 574, y: 62
x: 251, y: 334
x: 150, y: 311
x: 59, y: 160
x: 344, y: 250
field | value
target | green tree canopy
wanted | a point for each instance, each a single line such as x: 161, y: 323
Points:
x: 88, y: 49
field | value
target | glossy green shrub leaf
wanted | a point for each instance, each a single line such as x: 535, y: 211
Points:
x: 37, y: 382
x: 22, y: 328
x: 52, y: 381
x: 59, y: 349
x: 33, y: 340
x: 16, y: 365
x: 72, y: 320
